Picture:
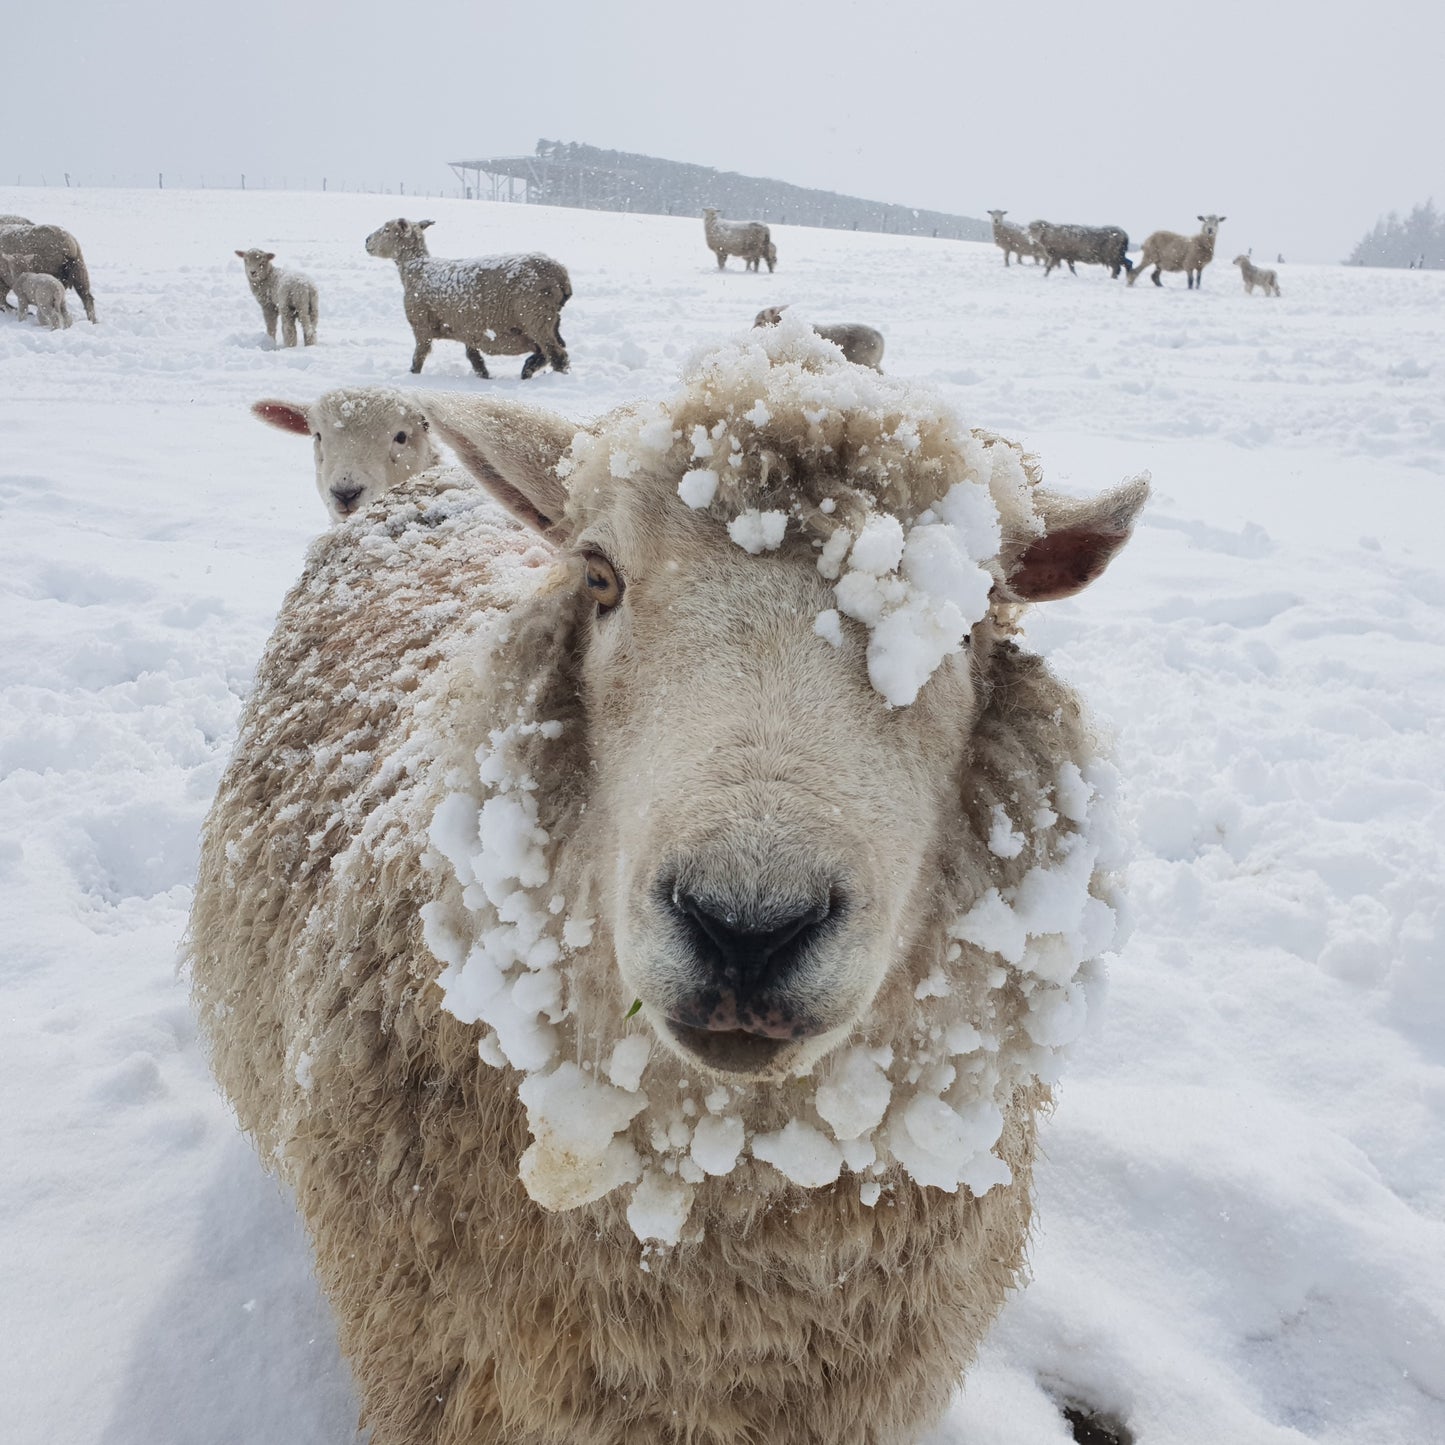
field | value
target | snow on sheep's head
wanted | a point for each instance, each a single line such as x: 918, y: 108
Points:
x: 781, y: 594
x: 257, y: 264
x: 367, y: 440
x: 396, y: 238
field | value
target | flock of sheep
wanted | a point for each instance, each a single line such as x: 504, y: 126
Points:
x: 1108, y: 246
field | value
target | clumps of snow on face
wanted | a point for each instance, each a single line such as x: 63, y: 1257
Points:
x: 629, y: 1059
x: 717, y: 1141
x: 756, y: 531
x: 659, y: 1208
x: 855, y: 1096
x: 698, y: 487
x: 801, y: 1153
x: 829, y: 626
x: 1003, y: 842
x: 575, y: 1155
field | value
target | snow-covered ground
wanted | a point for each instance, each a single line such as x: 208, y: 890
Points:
x: 1242, y: 1213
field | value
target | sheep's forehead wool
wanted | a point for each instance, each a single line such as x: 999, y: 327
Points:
x: 363, y: 409
x: 906, y: 509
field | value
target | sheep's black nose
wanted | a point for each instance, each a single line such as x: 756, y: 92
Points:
x: 750, y: 948
x: 346, y: 496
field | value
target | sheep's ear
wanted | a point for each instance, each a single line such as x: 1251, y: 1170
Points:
x: 512, y: 450
x: 283, y: 414
x: 1079, y: 542
x: 241, y: 254
x: 422, y: 225
x: 269, y: 255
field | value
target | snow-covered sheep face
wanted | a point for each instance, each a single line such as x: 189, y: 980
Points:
x: 1209, y: 225
x: 784, y: 583
x: 257, y: 264
x: 397, y: 238
x: 366, y: 441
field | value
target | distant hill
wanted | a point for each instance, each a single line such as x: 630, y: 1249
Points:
x: 565, y: 173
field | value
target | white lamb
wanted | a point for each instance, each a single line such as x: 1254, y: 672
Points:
x: 285, y: 294
x: 45, y: 294
x: 367, y: 440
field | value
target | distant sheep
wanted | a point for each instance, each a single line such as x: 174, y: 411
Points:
x: 1094, y: 245
x: 860, y: 344
x: 646, y: 999
x: 1013, y: 240
x: 500, y: 305
x: 1169, y: 251
x: 749, y: 239
x: 367, y: 440
x: 1256, y: 276
x: 44, y: 292
x: 51, y: 251
x: 287, y: 295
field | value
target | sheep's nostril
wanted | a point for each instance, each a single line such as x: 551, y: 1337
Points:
x: 752, y: 947
x: 346, y: 497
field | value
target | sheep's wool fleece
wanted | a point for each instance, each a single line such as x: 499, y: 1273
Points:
x: 911, y: 516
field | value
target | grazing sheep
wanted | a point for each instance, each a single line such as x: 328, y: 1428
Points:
x: 45, y: 293
x: 1094, y: 245
x: 1256, y: 276
x: 49, y: 250
x: 1169, y: 251
x: 287, y: 295
x: 641, y: 936
x: 860, y: 344
x: 749, y: 239
x: 501, y: 305
x: 1012, y: 239
x: 367, y: 441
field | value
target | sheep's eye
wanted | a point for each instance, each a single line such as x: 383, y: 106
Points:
x: 603, y: 583
x: 400, y: 438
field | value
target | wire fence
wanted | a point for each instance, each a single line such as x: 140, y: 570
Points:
x: 240, y: 181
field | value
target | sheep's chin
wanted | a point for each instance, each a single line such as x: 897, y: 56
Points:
x: 736, y: 1055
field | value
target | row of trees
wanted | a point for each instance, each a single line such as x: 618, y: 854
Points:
x: 1418, y: 240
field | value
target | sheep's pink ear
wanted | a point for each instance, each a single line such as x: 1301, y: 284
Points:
x: 1079, y: 541
x: 283, y: 414
x: 269, y: 255
x: 512, y: 450
x: 241, y: 254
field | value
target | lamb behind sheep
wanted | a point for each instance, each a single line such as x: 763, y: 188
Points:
x: 749, y: 239
x: 1094, y: 245
x: 595, y: 881
x: 862, y: 345
x: 501, y: 305
x: 50, y: 251
x: 287, y: 295
x: 1169, y: 251
x: 1012, y: 239
x: 43, y: 292
x: 367, y: 440
x: 1253, y: 276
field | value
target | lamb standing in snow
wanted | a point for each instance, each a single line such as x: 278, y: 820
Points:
x: 501, y: 305
x: 1169, y: 251
x: 1253, y: 276
x: 51, y: 251
x: 1013, y: 240
x: 749, y: 239
x: 367, y: 440
x: 643, y: 936
x: 287, y: 295
x: 33, y: 288
x: 860, y: 344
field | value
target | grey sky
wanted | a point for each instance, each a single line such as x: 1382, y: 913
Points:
x: 1299, y: 121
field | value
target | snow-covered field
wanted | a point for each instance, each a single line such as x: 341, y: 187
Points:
x: 1242, y: 1213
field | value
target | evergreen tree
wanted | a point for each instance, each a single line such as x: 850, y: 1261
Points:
x: 1394, y: 242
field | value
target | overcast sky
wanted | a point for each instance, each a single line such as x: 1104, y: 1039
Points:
x: 1301, y: 121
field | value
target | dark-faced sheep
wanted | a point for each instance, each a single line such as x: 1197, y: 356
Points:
x: 860, y: 344
x: 500, y: 305
x: 1169, y: 251
x: 1013, y: 240
x: 51, y: 252
x: 1253, y: 276
x: 643, y: 936
x: 1093, y: 245
x: 749, y: 239
x: 287, y: 296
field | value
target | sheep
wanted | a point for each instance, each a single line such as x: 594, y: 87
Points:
x: 502, y: 305
x: 860, y: 344
x: 1169, y: 251
x: 40, y: 290
x: 1011, y: 239
x: 287, y: 295
x: 749, y: 239
x: 51, y: 251
x: 1094, y: 245
x: 1256, y: 276
x: 367, y: 441
x: 614, y: 924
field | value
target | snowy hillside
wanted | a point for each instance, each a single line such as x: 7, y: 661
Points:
x: 1241, y: 1227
